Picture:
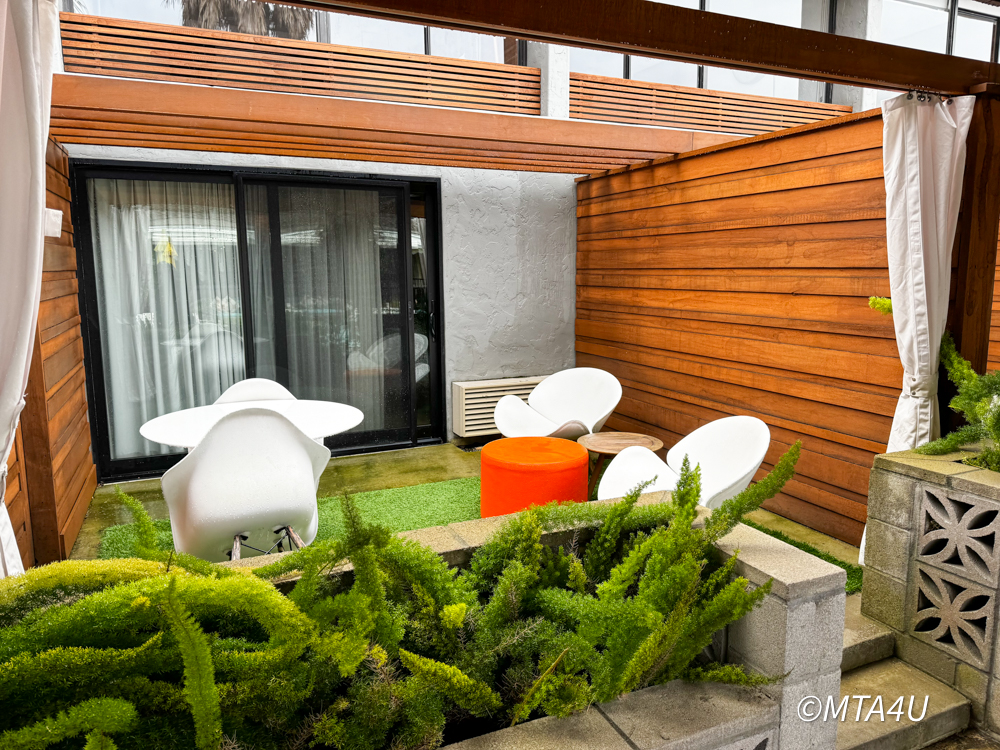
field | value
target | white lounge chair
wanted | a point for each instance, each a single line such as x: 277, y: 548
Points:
x: 729, y: 452
x: 255, y: 389
x: 251, y: 479
x: 566, y: 405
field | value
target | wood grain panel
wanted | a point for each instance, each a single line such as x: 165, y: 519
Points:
x: 86, y: 110
x: 179, y: 54
x: 735, y: 280
x: 16, y: 500
x: 642, y: 103
x: 58, y: 466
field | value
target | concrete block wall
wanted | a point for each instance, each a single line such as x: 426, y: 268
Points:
x: 932, y: 570
x: 798, y: 630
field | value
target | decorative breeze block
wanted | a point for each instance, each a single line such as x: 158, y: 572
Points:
x: 954, y: 615
x: 959, y: 534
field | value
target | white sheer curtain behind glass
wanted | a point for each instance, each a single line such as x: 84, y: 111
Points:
x: 333, y: 294
x: 28, y: 31
x: 168, y: 300
x: 923, y: 156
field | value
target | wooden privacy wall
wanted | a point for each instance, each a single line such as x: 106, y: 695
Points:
x: 59, y: 467
x: 735, y: 280
x: 159, y: 52
x: 660, y: 105
x: 117, y: 112
x: 993, y: 356
x: 16, y: 500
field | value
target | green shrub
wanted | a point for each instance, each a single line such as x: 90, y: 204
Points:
x: 978, y: 401
x: 384, y: 654
x: 97, y: 717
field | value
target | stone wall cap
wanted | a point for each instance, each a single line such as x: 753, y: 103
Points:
x: 982, y: 482
x: 796, y: 574
x: 589, y: 729
x: 681, y: 715
x: 921, y: 466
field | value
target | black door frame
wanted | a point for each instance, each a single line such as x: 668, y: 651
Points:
x: 83, y: 169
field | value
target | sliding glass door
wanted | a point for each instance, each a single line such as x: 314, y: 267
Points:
x: 191, y: 282
x: 328, y: 289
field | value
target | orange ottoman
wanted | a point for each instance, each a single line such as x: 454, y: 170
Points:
x: 520, y: 472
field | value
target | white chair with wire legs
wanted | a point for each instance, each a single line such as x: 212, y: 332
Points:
x: 567, y: 405
x: 250, y: 484
x: 729, y: 452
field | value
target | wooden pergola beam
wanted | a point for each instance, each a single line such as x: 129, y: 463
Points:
x: 674, y: 33
x: 975, y: 248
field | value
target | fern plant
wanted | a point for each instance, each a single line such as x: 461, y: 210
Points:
x: 389, y: 653
x: 199, y: 672
x: 978, y: 401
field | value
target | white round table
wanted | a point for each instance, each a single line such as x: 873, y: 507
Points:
x: 188, y: 427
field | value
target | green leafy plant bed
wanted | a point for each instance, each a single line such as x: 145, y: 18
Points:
x: 171, y: 652
x: 399, y: 509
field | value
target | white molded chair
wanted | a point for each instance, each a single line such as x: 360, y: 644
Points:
x: 566, y: 405
x: 729, y: 452
x: 633, y: 465
x: 254, y: 474
x: 255, y: 389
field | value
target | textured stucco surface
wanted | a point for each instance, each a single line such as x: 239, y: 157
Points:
x: 509, y: 251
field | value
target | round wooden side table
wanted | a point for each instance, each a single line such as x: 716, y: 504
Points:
x: 611, y: 444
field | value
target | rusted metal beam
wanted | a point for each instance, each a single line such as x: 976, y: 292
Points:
x: 674, y: 33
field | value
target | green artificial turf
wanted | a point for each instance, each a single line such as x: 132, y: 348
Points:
x: 400, y: 509
x: 854, y: 572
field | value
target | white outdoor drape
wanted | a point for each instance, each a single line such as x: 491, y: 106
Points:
x: 28, y: 31
x: 923, y: 153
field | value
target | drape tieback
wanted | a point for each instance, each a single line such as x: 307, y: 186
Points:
x: 921, y: 391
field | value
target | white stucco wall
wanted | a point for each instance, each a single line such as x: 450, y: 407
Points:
x: 509, y: 252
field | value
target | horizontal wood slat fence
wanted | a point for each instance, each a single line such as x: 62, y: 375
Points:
x: 993, y: 355
x: 160, y: 52
x: 659, y: 105
x: 735, y: 280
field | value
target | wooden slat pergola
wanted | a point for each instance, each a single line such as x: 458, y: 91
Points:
x: 674, y: 33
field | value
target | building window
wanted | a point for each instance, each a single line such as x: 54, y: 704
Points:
x: 919, y: 24
x: 375, y: 33
x: 465, y: 45
x: 975, y: 36
x: 597, y: 63
x: 784, y: 12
